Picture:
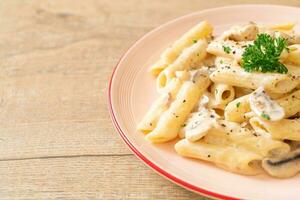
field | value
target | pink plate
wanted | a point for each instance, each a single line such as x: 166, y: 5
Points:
x: 132, y: 89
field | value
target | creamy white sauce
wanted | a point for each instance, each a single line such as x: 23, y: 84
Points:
x: 263, y: 106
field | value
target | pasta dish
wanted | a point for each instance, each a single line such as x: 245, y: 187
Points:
x: 232, y: 99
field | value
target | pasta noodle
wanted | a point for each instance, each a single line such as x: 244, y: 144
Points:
x: 233, y: 101
x: 235, y: 76
x: 171, y: 120
x: 228, y: 157
x: 284, y: 129
x: 190, y: 57
x: 200, y: 31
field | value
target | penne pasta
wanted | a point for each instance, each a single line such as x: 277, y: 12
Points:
x: 233, y: 99
x: 228, y: 157
x: 236, y: 76
x: 284, y: 129
x: 294, y: 54
x: 148, y: 123
x: 171, y: 120
x: 190, y: 57
x: 223, y: 94
x: 235, y: 111
x: 198, y: 32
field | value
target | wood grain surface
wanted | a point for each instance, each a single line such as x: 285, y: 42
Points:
x: 56, y: 137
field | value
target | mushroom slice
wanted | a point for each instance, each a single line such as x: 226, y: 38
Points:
x: 199, y: 124
x: 283, y: 167
x: 264, y: 107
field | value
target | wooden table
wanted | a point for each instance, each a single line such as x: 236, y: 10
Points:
x: 56, y: 137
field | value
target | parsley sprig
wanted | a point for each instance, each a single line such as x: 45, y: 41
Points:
x: 263, y: 55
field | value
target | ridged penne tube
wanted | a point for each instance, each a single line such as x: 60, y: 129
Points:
x: 239, y: 92
x: 294, y: 54
x: 171, y: 120
x: 234, y: 51
x: 282, y: 27
x: 230, y: 158
x: 246, y: 32
x: 190, y: 57
x: 284, y: 129
x: 233, y: 133
x: 159, y: 106
x: 236, y: 76
x: 235, y: 111
x: 157, y: 67
x: 223, y: 94
x: 200, y: 31
x: 290, y: 103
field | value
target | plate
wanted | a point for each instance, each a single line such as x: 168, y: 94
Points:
x: 132, y: 90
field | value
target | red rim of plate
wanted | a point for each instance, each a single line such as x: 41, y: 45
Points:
x: 161, y: 171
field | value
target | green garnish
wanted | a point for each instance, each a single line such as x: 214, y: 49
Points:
x: 238, y: 104
x: 195, y: 41
x: 264, y: 115
x: 263, y: 55
x: 221, y: 62
x: 227, y: 49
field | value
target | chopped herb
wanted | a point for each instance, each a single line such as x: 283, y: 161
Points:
x: 238, y: 104
x: 195, y: 41
x: 227, y: 49
x: 264, y: 115
x: 221, y: 62
x: 263, y: 55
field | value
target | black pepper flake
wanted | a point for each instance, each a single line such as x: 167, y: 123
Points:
x: 184, y: 101
x: 212, y: 116
x: 227, y: 133
x: 231, y: 130
x: 194, y: 81
x: 233, y: 52
x: 208, y: 156
x: 223, y: 125
x: 150, y: 124
x: 255, y: 134
x: 293, y: 96
x: 176, y: 116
